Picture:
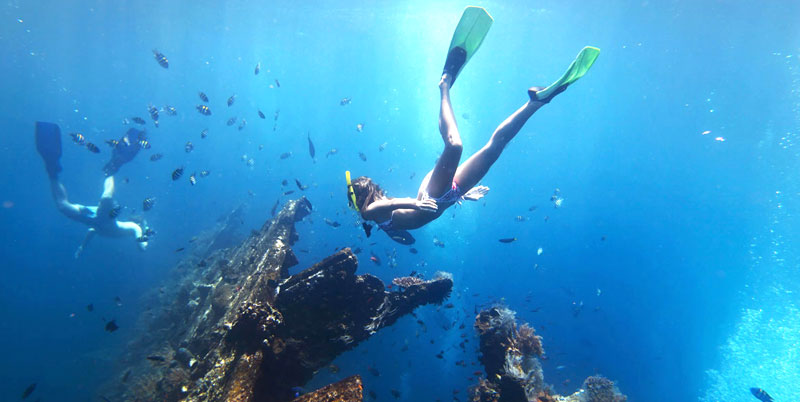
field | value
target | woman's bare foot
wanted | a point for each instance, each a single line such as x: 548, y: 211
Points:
x: 533, y: 93
x: 446, y: 82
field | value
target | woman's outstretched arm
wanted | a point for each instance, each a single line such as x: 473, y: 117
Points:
x: 385, y: 207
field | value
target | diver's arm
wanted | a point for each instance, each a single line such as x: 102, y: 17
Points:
x: 386, y: 206
x: 89, y: 235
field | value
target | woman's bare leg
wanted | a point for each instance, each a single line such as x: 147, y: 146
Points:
x: 442, y: 176
x: 473, y: 170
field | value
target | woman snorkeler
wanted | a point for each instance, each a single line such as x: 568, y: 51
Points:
x: 450, y: 182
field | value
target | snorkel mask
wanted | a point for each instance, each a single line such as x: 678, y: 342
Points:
x: 351, y: 193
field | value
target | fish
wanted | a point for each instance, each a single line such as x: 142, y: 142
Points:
x: 508, y: 240
x: 359, y: 127
x: 142, y: 239
x: 170, y: 110
x: 412, y: 250
x: 78, y: 138
x: 395, y: 393
x: 286, y: 155
x: 258, y: 68
x: 92, y: 148
x: 284, y: 182
x: 188, y: 147
x: 112, y: 143
x: 311, y: 150
x: 277, y: 113
x: 242, y: 124
x: 126, y: 375
x: 112, y: 326
x: 161, y: 59
x: 90, y: 307
x: 758, y: 393
x: 156, y: 358
x: 231, y: 100
x: 177, y: 173
x: 153, y: 113
x: 382, y: 146
x: 155, y: 157
x: 138, y: 120
x: 362, y: 156
x: 118, y: 301
x: 145, y: 144
x: 28, y: 391
x: 204, y: 173
x: 345, y: 101
x: 288, y: 192
x: 556, y: 198
x: 331, y: 223
x: 147, y: 203
x: 374, y: 258
x: 261, y: 114
x: 333, y: 151
x: 204, y: 110
x: 277, y: 83
x: 367, y: 228
x: 300, y: 185
x: 203, y: 96
x: 274, y: 208
x: 178, y: 250
x: 297, y: 391
x: 437, y: 242
x: 333, y: 368
x: 193, y: 179
x: 114, y: 213
x: 231, y: 121
x: 373, y: 371
x: 204, y: 133
x: 532, y: 208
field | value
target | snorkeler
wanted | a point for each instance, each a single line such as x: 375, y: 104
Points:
x: 101, y: 219
x: 450, y: 182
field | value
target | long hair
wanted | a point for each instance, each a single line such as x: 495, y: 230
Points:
x: 366, y: 190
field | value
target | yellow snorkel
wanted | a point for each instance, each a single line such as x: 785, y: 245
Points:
x: 351, y: 192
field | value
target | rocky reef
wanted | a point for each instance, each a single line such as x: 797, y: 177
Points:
x: 237, y: 327
x: 510, y: 355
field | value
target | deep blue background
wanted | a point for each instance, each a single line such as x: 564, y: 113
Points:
x: 692, y: 226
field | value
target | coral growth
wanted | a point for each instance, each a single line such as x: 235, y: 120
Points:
x: 407, y: 281
x: 601, y: 389
x: 544, y: 396
x: 527, y: 342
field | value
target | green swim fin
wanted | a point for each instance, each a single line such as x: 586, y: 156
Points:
x: 467, y: 38
x: 576, y: 70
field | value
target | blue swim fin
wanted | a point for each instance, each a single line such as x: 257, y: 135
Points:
x: 48, y: 143
x: 126, y: 149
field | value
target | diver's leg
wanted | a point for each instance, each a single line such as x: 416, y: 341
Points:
x: 108, y: 187
x: 442, y: 176
x: 106, y: 203
x: 72, y: 211
x: 474, y: 168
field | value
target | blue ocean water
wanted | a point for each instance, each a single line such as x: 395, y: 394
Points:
x: 670, y: 267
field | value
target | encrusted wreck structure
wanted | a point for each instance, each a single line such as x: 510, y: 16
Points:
x: 510, y: 355
x: 237, y: 327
